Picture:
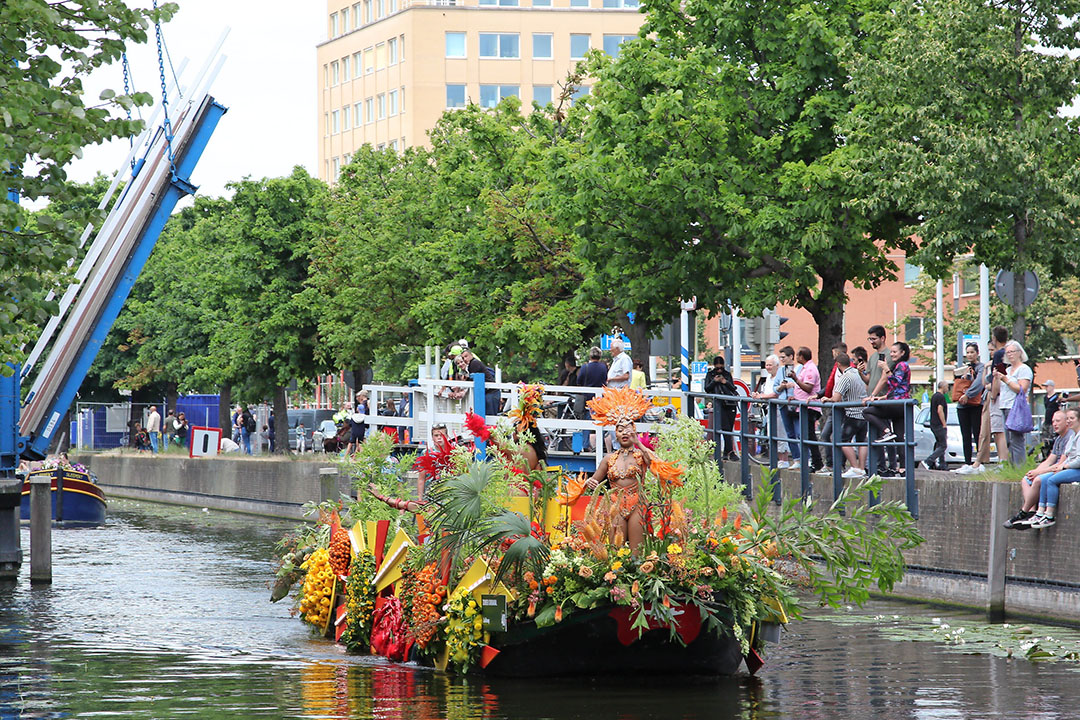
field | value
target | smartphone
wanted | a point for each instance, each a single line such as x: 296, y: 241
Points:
x: 1000, y: 367
x: 881, y: 357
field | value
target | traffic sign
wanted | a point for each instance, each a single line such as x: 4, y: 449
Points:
x: 605, y: 342
x: 1003, y: 286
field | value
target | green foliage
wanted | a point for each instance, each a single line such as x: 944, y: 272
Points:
x: 704, y: 491
x: 849, y: 547
x: 374, y: 465
x: 47, y: 49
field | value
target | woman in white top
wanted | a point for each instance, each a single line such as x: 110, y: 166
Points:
x: 768, y: 391
x: 1015, y: 380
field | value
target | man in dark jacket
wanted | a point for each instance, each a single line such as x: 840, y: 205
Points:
x: 718, y: 381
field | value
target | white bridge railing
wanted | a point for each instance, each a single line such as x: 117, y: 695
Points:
x: 434, y: 402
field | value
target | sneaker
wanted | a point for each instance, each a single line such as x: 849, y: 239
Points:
x: 888, y: 473
x: 968, y: 470
x: 854, y: 472
x: 889, y: 436
x: 1020, y: 521
x: 794, y: 466
x: 1041, y: 521
x: 924, y: 466
x: 783, y: 465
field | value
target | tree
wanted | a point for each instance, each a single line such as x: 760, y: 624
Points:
x: 266, y: 335
x: 713, y: 164
x: 959, y: 124
x: 47, y: 49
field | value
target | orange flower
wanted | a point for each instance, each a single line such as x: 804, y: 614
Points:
x: 721, y: 571
x: 647, y: 567
x: 635, y: 588
x: 609, y: 576
x: 723, y: 516
x: 558, y: 613
x: 532, y: 608
x: 667, y: 601
x: 550, y: 589
x: 533, y: 584
x: 738, y: 521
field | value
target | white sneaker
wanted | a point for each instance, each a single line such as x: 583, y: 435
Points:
x: 924, y: 466
x: 971, y: 470
x: 962, y: 470
x: 783, y: 465
x: 854, y: 472
x: 794, y: 466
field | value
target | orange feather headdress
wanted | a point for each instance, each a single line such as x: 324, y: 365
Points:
x: 617, y: 406
x: 530, y: 405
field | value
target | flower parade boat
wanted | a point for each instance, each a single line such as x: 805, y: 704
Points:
x: 497, y: 564
x: 77, y: 499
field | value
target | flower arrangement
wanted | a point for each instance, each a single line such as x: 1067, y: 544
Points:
x: 359, y: 602
x: 464, y: 629
x: 427, y: 594
x: 318, y: 588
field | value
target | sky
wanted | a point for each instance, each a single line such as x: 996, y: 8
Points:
x: 267, y: 84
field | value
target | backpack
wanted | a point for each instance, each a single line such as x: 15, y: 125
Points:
x: 249, y: 423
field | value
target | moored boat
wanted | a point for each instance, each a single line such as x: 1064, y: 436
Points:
x: 76, y: 496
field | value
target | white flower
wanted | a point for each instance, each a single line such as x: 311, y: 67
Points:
x: 936, y: 621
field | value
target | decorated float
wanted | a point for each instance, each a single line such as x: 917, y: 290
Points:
x: 493, y: 562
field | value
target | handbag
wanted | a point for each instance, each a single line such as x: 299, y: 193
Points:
x: 1019, y: 419
x: 960, y: 386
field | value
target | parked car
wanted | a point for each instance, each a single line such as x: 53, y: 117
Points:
x: 311, y: 420
x: 954, y: 452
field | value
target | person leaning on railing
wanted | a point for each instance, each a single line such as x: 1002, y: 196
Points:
x: 897, y: 387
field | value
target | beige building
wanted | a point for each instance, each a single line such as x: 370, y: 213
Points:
x: 390, y: 68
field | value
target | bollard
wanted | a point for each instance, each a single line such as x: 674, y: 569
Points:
x: 998, y: 552
x: 11, y: 555
x: 328, y: 483
x: 40, y: 529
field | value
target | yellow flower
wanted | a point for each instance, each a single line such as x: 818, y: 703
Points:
x: 623, y: 552
x: 616, y: 566
x: 674, y: 549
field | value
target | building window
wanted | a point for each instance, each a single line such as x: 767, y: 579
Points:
x: 501, y: 3
x: 401, y: 47
x: 345, y: 69
x: 391, y: 51
x: 356, y: 16
x: 455, y: 44
x: 500, y: 45
x: 326, y: 117
x: 630, y: 4
x: 357, y: 68
x: 969, y: 279
x: 917, y: 333
x: 336, y: 167
x: 612, y: 43
x: 542, y: 46
x: 393, y: 6
x: 335, y: 122
x: 392, y: 100
x: 335, y: 73
x: 380, y: 147
x: 326, y: 169
x: 369, y: 110
x: 369, y: 60
x: 333, y: 25
x: 541, y: 3
x: 326, y: 76
x: 382, y: 8
x: 369, y: 15
x: 578, y: 94
x: 542, y: 95
x: 911, y: 272
x: 346, y: 159
x: 579, y: 45
x: 380, y: 105
x: 380, y: 56
x: 579, y: 3
x: 401, y: 100
x: 490, y: 95
x: 357, y: 119
x: 346, y: 116
x: 455, y: 96
x: 344, y: 20
x: 393, y: 145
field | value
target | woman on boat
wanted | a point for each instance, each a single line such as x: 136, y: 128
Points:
x: 624, y: 469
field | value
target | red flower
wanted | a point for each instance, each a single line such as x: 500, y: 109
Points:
x: 538, y: 485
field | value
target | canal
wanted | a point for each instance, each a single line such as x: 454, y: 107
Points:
x: 164, y: 613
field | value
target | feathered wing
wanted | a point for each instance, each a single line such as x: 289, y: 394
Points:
x: 618, y: 405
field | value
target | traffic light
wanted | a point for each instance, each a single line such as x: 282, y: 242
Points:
x: 773, y: 336
x: 751, y: 330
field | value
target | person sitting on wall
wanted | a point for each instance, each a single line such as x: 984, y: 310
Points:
x: 1066, y: 470
x: 1032, y: 480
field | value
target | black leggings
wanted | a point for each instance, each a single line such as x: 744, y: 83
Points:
x: 880, y: 416
x: 969, y: 417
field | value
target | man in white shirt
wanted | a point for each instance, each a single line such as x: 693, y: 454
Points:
x: 153, y: 426
x: 621, y: 367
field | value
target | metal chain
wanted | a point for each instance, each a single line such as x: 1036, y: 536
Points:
x: 164, y: 94
x: 127, y: 92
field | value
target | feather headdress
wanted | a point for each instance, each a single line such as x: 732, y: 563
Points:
x: 476, y: 426
x: 530, y: 405
x: 617, y: 406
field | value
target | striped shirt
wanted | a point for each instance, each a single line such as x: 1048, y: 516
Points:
x: 850, y: 387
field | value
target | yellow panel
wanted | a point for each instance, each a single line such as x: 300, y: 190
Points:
x: 390, y: 571
x: 357, y: 535
x: 371, y: 528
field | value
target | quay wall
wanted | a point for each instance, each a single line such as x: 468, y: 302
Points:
x: 1040, y: 569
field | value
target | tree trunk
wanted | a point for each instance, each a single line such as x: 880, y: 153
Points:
x: 170, y: 398
x: 828, y: 313
x: 225, y: 410
x: 281, y: 422
x: 638, y: 332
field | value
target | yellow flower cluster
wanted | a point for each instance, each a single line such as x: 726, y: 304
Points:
x: 464, y: 628
x: 318, y: 587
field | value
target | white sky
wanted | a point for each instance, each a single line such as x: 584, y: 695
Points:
x: 267, y: 84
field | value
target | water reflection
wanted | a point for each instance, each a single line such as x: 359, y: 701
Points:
x: 163, y: 614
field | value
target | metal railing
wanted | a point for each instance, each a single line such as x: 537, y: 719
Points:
x: 773, y: 434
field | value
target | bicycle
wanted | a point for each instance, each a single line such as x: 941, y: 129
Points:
x: 562, y: 439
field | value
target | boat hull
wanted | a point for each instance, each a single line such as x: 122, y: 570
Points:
x: 597, y: 643
x: 83, y: 500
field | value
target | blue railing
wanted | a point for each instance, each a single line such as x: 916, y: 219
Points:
x: 773, y: 434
